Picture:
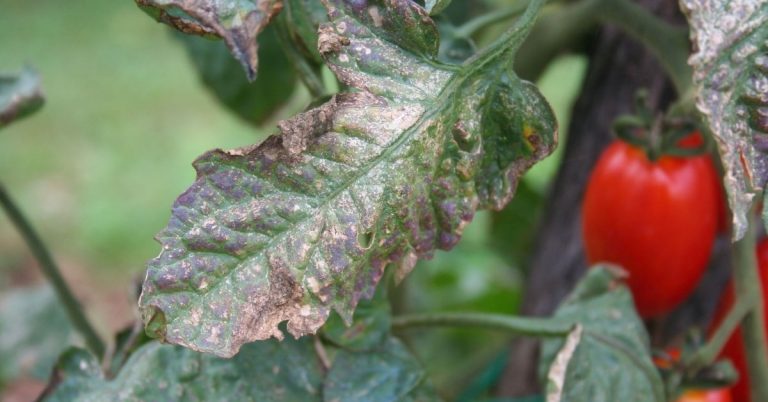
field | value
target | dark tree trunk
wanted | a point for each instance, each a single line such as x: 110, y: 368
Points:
x: 618, y: 67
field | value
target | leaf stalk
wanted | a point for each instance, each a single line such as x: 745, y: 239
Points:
x: 53, y: 274
x: 541, y: 327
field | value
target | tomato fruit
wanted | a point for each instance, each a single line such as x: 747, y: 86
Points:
x: 708, y: 395
x: 657, y: 219
x: 734, y: 348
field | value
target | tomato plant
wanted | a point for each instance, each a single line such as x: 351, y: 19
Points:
x: 655, y: 218
x: 734, y: 349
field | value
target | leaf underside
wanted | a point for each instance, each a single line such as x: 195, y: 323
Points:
x: 237, y: 22
x: 731, y: 77
x: 254, y: 102
x: 20, y: 96
x: 606, y: 358
x: 385, y: 173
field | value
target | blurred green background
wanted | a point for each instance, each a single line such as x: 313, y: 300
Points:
x: 98, y: 168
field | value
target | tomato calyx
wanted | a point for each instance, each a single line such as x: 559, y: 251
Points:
x: 659, y: 135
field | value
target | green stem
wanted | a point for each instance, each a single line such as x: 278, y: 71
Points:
x: 707, y: 354
x: 746, y: 280
x: 546, y: 327
x: 560, y: 29
x: 669, y: 43
x: 473, y: 26
x: 308, y: 74
x: 51, y: 271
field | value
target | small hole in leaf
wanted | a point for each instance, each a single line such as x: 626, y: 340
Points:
x: 365, y: 239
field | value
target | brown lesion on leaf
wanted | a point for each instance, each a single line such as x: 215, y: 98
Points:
x: 300, y: 129
x: 328, y: 41
x: 205, y: 20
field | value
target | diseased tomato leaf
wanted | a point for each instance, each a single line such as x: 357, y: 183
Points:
x: 20, y: 95
x: 370, y: 327
x: 731, y: 77
x: 385, y: 173
x: 256, y: 101
x: 237, y: 22
x: 606, y: 357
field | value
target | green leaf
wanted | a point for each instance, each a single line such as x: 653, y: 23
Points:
x: 20, y: 96
x: 237, y: 22
x: 254, y: 101
x: 267, y: 371
x: 34, y: 330
x: 386, y: 173
x: 304, y: 17
x: 731, y: 79
x: 606, y: 357
x: 370, y: 327
x: 436, y: 6
x: 273, y: 371
x: 388, y: 373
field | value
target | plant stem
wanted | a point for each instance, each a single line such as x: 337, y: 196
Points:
x: 707, y: 354
x: 747, y: 286
x: 51, y: 271
x: 560, y: 29
x: 308, y: 74
x: 473, y: 26
x: 669, y: 43
x: 517, y: 325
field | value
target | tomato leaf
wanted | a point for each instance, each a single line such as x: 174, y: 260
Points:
x: 607, y: 355
x: 20, y: 96
x: 388, y: 373
x: 253, y: 101
x: 731, y: 76
x: 237, y: 22
x: 34, y: 330
x: 304, y: 17
x: 267, y: 371
x: 436, y: 6
x: 276, y: 371
x: 386, y: 173
x: 370, y: 327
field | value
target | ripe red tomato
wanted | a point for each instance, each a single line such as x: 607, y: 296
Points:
x: 709, y: 395
x: 657, y: 219
x: 734, y: 349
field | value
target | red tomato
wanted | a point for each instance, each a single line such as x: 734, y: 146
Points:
x: 710, y: 395
x: 657, y: 219
x: 695, y: 140
x: 734, y: 349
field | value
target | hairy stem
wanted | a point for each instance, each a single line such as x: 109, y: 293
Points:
x: 747, y: 286
x: 51, y: 271
x: 667, y: 42
x: 517, y: 325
